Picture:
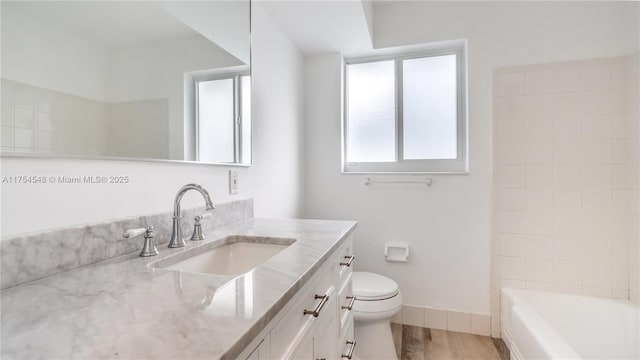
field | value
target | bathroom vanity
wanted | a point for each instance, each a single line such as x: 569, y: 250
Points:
x: 294, y: 304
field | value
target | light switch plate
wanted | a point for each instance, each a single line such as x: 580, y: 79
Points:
x: 233, y: 182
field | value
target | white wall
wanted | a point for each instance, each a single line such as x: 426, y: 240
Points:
x: 37, y: 54
x: 278, y: 123
x: 275, y: 181
x: 448, y: 224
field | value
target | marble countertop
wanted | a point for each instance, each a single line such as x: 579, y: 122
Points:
x: 123, y: 308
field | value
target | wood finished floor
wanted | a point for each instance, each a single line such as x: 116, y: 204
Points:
x: 416, y: 343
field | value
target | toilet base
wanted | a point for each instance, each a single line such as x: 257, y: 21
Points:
x: 374, y: 340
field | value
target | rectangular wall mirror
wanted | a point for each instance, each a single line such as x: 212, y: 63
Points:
x: 160, y: 80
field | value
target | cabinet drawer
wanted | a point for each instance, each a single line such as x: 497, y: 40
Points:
x: 345, y: 303
x: 345, y: 261
x: 347, y: 341
x: 295, y: 325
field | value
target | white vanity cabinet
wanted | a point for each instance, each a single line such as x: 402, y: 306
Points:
x: 317, y: 322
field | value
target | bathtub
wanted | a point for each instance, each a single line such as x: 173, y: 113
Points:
x: 545, y: 325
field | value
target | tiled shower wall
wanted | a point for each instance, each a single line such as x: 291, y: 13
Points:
x: 35, y: 119
x: 566, y: 179
x: 40, y: 120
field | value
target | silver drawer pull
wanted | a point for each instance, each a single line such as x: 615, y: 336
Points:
x: 348, y: 263
x: 349, y: 354
x: 315, y: 312
x: 350, y: 306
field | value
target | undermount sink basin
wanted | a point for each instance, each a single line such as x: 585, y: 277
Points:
x: 232, y: 256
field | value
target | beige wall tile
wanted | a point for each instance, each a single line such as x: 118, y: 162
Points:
x: 596, y: 176
x: 596, y: 152
x: 510, y: 84
x: 596, y: 249
x: 513, y: 268
x: 511, y: 130
x: 539, y: 200
x: 596, y: 127
x: 413, y: 315
x: 597, y: 291
x: 567, y: 128
x: 567, y: 200
x: 7, y: 116
x: 511, y: 199
x: 567, y: 78
x: 481, y: 324
x: 567, y: 224
x: 511, y: 153
x: 567, y: 248
x: 596, y: 76
x: 539, y: 223
x: 511, y: 107
x: 567, y: 105
x: 7, y: 137
x: 539, y: 152
x: 538, y: 129
x: 538, y: 82
x: 597, y: 275
x: 567, y: 152
x: 512, y: 176
x: 435, y: 319
x: 458, y: 321
x: 539, y: 246
x: 567, y: 272
x: 512, y: 245
x: 572, y: 215
x: 596, y: 200
x: 511, y: 222
x: 597, y: 103
x: 538, y: 176
x: 539, y: 270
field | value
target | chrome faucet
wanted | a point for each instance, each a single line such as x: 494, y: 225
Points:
x: 176, y: 235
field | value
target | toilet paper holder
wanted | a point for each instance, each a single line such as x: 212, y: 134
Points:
x: 396, y: 252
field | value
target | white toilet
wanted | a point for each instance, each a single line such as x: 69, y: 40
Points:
x: 378, y: 299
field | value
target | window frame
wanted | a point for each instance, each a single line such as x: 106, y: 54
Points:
x: 238, y: 155
x: 408, y: 166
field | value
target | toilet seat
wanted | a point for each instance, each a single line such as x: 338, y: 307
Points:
x: 373, y: 287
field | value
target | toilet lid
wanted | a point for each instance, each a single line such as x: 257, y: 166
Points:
x: 370, y: 286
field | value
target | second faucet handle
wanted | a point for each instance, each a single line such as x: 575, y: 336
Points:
x: 149, y: 247
x: 197, y: 227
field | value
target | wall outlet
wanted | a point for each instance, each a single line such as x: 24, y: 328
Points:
x: 233, y: 182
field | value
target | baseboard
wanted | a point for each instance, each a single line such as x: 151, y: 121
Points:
x: 443, y: 319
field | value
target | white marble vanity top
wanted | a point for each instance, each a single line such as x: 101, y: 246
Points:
x: 122, y: 308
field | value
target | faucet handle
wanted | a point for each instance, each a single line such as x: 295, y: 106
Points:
x: 203, y: 216
x: 197, y: 227
x: 149, y: 247
x: 131, y: 233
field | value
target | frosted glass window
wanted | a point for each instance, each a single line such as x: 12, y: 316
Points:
x: 429, y: 105
x: 216, y: 121
x: 245, y: 101
x: 406, y: 113
x: 371, y: 112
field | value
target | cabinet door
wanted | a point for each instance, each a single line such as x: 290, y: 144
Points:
x: 304, y: 351
x: 261, y: 351
x: 324, y: 344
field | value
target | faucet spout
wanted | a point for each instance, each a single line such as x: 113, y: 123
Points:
x: 176, y: 235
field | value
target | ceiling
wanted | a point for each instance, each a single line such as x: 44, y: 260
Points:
x: 324, y: 26
x: 111, y: 24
